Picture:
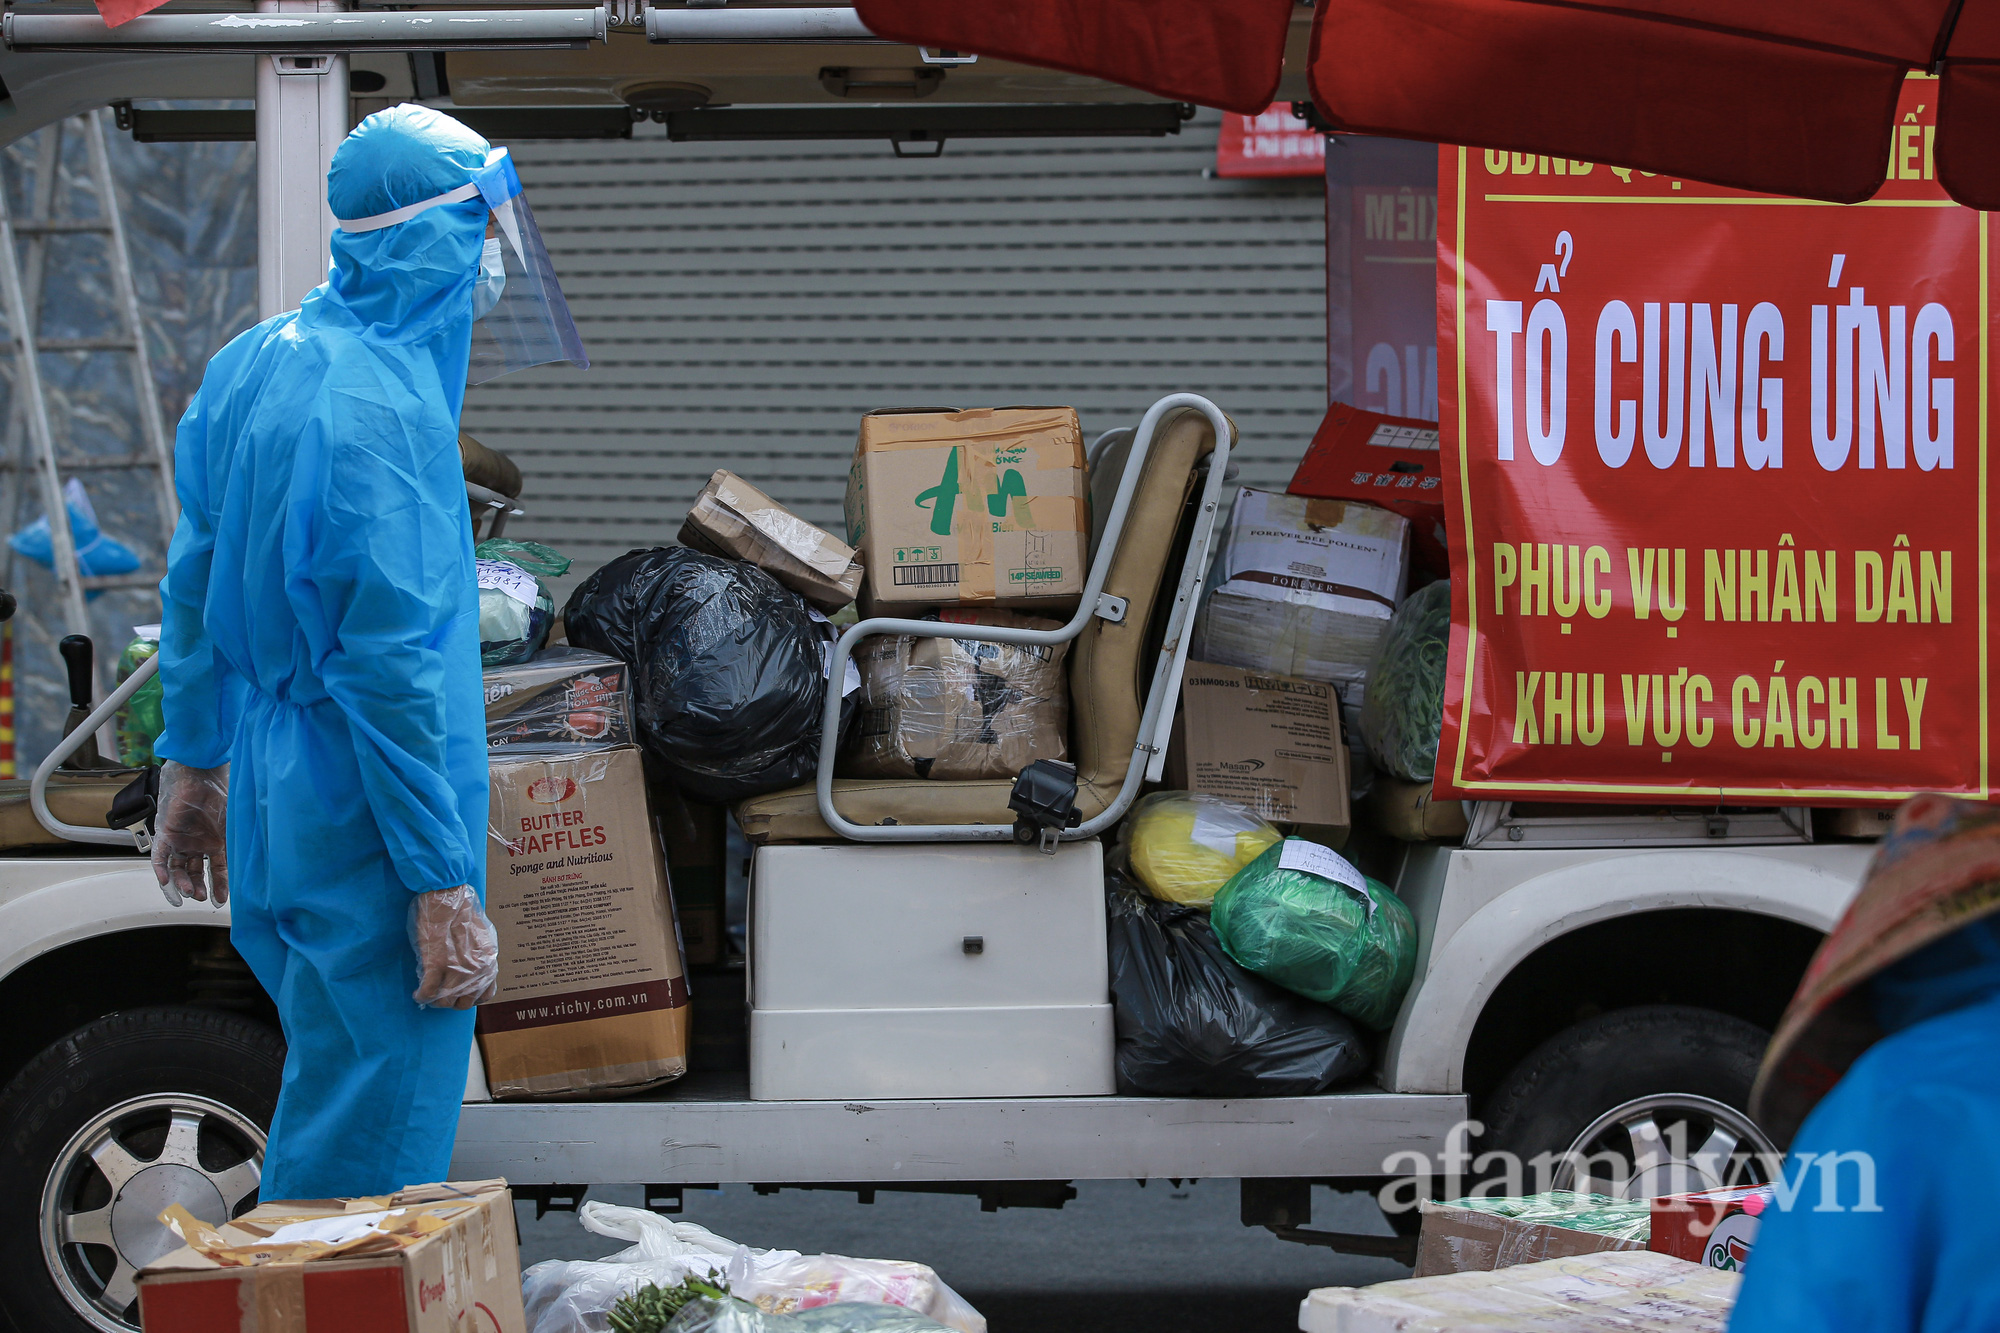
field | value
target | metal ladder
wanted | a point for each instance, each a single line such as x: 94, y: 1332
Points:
x: 24, y: 253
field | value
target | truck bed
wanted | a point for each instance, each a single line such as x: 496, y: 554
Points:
x: 704, y: 1129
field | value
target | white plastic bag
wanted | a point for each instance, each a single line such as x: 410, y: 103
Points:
x: 576, y: 1296
x: 733, y: 1316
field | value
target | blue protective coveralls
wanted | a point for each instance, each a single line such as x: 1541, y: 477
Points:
x: 1924, y: 1103
x: 320, y: 636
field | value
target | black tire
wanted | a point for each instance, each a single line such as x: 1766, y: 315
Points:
x: 166, y: 1052
x: 1552, y: 1096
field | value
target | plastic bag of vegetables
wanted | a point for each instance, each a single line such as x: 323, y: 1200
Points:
x: 1402, y: 711
x: 1183, y: 846
x: 1304, y: 917
x: 515, y: 608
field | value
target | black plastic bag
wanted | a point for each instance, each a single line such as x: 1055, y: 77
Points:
x: 728, y: 667
x: 1191, y: 1023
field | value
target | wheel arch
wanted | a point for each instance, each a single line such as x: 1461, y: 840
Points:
x: 1734, y: 929
x: 79, y: 946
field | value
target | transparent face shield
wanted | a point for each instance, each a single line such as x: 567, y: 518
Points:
x: 528, y: 323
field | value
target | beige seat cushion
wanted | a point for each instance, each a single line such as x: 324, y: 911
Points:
x: 82, y: 798
x: 1107, y: 676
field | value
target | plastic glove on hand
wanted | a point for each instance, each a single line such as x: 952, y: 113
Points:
x: 190, y: 847
x: 458, y: 953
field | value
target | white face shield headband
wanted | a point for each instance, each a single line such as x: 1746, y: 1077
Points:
x: 529, y: 323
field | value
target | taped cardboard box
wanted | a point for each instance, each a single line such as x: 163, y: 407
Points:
x: 986, y: 506
x: 959, y: 709
x: 1716, y: 1228
x: 1270, y: 742
x: 593, y: 993
x: 733, y: 519
x: 1473, y: 1235
x: 563, y: 699
x: 430, y: 1259
x: 1305, y: 587
x: 1388, y: 461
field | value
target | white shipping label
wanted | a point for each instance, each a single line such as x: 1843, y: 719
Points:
x: 1314, y: 859
x: 1216, y: 827
x: 505, y: 576
x: 850, y: 680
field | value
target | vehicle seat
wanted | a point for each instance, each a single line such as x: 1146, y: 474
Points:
x: 1110, y: 665
x: 81, y: 797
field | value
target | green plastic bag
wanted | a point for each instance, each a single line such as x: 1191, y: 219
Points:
x: 141, y: 720
x: 1402, y: 712
x: 515, y: 608
x: 1304, y: 917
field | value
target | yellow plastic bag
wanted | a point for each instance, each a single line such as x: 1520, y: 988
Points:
x: 1183, y: 846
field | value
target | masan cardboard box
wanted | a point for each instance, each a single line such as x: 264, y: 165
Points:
x: 1271, y: 742
x: 593, y: 989
x: 987, y: 507
x: 429, y: 1259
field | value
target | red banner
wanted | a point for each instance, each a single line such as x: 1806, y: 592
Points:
x: 1273, y: 142
x: 1719, y: 464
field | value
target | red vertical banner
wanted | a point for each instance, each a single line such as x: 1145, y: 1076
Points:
x: 1720, y: 484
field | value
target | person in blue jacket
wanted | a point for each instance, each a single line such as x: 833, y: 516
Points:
x: 1885, y: 1223
x: 325, y: 735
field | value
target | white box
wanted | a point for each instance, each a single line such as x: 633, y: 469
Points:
x: 1304, y: 587
x: 928, y: 971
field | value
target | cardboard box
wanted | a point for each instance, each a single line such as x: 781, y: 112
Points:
x: 1716, y: 1228
x: 431, y: 1259
x: 984, y: 507
x: 1271, y: 742
x: 562, y: 699
x: 733, y: 519
x: 1504, y: 1232
x: 1388, y: 461
x: 959, y: 709
x: 1630, y: 1293
x: 1305, y: 587
x: 696, y: 838
x: 593, y: 989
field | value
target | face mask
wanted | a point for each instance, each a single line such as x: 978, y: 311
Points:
x: 492, y: 279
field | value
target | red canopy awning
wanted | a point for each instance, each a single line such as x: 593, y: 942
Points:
x: 1790, y: 97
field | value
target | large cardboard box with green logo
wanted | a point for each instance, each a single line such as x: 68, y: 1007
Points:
x: 986, y: 507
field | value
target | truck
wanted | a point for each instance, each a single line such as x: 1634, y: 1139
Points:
x: 1594, y: 986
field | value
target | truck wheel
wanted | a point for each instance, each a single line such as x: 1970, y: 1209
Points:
x: 131, y: 1113
x: 1637, y: 1103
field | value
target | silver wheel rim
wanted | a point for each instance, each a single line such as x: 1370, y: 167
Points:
x: 1668, y: 1143
x: 103, y: 1196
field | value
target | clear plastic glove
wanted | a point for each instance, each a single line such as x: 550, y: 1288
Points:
x: 190, y: 846
x: 458, y: 953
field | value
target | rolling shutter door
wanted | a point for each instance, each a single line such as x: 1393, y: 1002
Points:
x: 744, y: 304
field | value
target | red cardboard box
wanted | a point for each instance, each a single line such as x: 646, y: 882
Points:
x: 1388, y: 461
x: 428, y: 1259
x: 1716, y: 1228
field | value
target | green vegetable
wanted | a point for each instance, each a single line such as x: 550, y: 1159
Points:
x: 1402, y: 711
x: 141, y: 720
x: 651, y: 1308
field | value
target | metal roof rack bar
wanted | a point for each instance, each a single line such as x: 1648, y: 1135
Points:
x: 737, y: 25
x: 439, y: 30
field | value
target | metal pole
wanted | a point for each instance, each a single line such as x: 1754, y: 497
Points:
x: 301, y: 119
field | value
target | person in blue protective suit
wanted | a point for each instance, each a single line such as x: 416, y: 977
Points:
x: 1885, y: 1221
x: 325, y: 734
